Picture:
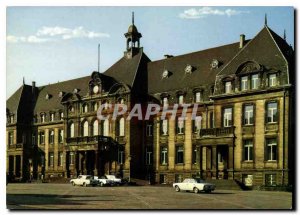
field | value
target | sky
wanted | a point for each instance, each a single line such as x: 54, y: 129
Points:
x: 51, y: 44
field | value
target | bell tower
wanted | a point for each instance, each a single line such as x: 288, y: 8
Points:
x: 132, y: 40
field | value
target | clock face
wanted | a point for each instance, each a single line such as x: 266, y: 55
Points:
x: 96, y: 89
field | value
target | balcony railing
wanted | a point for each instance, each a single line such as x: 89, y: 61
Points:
x: 90, y: 139
x: 16, y: 146
x: 217, y: 132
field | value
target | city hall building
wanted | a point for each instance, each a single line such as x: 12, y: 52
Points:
x: 243, y: 129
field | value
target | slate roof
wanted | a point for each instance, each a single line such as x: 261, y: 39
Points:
x: 264, y: 48
x: 203, y: 74
x: 124, y: 70
x: 12, y: 102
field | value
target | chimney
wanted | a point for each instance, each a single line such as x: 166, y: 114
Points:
x: 168, y: 56
x: 242, y: 40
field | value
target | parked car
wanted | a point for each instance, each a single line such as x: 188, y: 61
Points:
x: 195, y: 185
x: 84, y: 180
x: 114, y: 179
x: 103, y: 181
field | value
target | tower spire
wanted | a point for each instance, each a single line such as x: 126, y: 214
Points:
x: 23, y: 80
x: 133, y: 18
x: 284, y: 35
x: 266, y: 20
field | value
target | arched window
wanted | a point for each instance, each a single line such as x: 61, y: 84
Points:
x: 71, y: 108
x: 71, y: 130
x: 51, y: 137
x: 95, y: 128
x: 95, y: 106
x: 106, y: 128
x: 84, y: 108
x: 85, y: 129
x: 121, y: 127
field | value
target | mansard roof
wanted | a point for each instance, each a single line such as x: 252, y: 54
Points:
x: 202, y: 74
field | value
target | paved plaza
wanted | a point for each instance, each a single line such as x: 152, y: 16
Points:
x: 65, y: 196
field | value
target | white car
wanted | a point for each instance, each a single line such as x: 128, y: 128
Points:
x: 84, y: 180
x: 195, y: 185
x: 113, y: 178
x: 103, y: 181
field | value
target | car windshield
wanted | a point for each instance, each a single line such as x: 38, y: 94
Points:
x: 88, y: 177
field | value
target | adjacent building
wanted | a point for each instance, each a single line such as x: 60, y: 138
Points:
x: 243, y: 129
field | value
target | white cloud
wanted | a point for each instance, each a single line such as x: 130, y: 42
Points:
x: 46, y: 34
x: 193, y: 13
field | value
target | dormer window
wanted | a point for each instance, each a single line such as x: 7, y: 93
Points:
x: 11, y: 119
x: 272, y: 80
x: 121, y: 101
x: 61, y: 94
x: 180, y: 99
x: 255, y: 82
x: 228, y: 87
x: 165, y: 102
x: 95, y: 106
x: 244, y: 83
x: 84, y: 108
x: 71, y: 108
x: 214, y: 64
x: 76, y: 90
x: 43, y: 117
x: 188, y: 69
x: 165, y: 74
x: 197, y: 96
x: 105, y: 103
x: 61, y: 115
x: 51, y: 117
x: 48, y: 96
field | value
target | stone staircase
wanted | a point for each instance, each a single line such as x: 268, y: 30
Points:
x: 223, y: 184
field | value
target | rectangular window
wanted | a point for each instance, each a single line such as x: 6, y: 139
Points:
x: 248, y: 115
x: 228, y: 87
x: 211, y: 120
x: 179, y: 155
x: 71, y: 158
x: 33, y: 139
x: 51, y: 137
x: 61, y: 115
x: 244, y: 83
x: 194, y: 155
x: 197, y: 124
x: 51, y: 159
x: 220, y: 157
x: 148, y: 156
x: 60, y: 136
x: 165, y: 102
x: 272, y: 80
x: 227, y: 117
x: 180, y: 99
x: 149, y: 130
x: 271, y: 149
x: 43, y: 118
x: 272, y: 112
x: 178, y: 178
x: 11, y: 119
x: 180, y: 125
x: 198, y: 97
x: 42, y: 137
x: 270, y: 179
x: 52, y: 117
x: 164, y: 127
x: 121, y: 156
x: 60, y: 158
x: 163, y: 155
x: 255, y: 82
x: 10, y: 138
x: 248, y: 150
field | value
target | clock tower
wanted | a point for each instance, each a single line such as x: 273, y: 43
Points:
x: 132, y: 40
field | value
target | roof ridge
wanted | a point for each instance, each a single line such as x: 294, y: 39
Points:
x: 62, y: 81
x: 190, y: 53
x: 137, y: 68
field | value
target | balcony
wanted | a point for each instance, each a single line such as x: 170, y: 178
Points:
x: 90, y: 140
x: 217, y: 132
x: 16, y: 146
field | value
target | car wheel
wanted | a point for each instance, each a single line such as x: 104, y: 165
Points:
x: 73, y: 183
x: 101, y: 184
x: 196, y: 190
x: 177, y: 189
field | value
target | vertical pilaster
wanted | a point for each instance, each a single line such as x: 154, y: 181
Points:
x: 214, y: 162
